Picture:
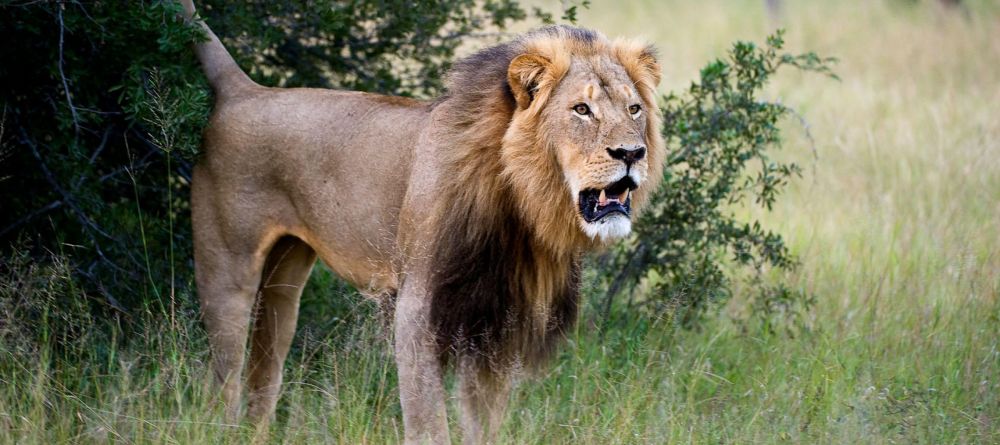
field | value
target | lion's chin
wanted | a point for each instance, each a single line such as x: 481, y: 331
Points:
x: 608, y: 228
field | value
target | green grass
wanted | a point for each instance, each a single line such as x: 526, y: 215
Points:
x: 895, y: 221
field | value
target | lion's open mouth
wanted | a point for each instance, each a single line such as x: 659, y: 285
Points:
x: 616, y: 198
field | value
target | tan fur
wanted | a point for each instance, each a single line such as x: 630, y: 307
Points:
x: 390, y: 192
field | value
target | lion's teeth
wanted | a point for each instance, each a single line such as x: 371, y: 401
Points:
x: 603, y: 199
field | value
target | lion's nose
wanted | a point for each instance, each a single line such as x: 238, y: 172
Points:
x: 628, y: 155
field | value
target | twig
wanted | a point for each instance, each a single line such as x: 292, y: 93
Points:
x: 89, y: 17
x: 3, y: 123
x: 31, y: 216
x: 807, y: 130
x: 623, y: 274
x: 62, y: 74
x: 4, y: 152
x: 100, y: 147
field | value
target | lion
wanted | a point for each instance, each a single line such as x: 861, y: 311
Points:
x: 469, y: 213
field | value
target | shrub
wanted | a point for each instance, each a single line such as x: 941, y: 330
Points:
x: 720, y: 134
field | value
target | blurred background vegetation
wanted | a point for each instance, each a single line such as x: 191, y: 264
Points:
x: 862, y: 304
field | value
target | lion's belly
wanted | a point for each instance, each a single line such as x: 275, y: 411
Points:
x: 356, y: 241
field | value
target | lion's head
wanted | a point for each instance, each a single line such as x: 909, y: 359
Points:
x: 551, y: 143
x: 586, y: 119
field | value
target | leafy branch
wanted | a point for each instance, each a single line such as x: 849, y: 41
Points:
x: 720, y: 135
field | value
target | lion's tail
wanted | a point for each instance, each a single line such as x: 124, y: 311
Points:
x: 222, y: 72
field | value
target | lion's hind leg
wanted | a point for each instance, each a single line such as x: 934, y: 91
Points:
x: 227, y: 285
x: 230, y: 246
x: 285, y: 273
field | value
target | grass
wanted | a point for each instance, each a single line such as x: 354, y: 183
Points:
x: 896, y: 223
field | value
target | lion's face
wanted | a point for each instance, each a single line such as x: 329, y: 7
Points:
x: 599, y: 122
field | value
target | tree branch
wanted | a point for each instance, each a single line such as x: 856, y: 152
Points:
x: 620, y: 278
x: 89, y: 225
x: 62, y: 74
x: 31, y: 216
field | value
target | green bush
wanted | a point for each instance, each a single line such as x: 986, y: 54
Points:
x: 720, y: 134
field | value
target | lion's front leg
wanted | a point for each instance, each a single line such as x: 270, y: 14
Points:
x: 421, y: 388
x: 483, y: 395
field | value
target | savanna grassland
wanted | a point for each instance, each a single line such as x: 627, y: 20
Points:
x: 896, y: 223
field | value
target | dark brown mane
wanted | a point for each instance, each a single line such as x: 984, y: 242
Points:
x: 484, y: 300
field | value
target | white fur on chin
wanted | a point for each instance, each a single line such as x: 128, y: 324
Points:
x: 608, y: 228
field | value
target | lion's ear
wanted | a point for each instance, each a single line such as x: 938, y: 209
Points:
x: 641, y: 63
x: 647, y: 60
x: 524, y: 74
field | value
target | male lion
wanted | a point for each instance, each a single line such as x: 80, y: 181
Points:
x: 468, y: 212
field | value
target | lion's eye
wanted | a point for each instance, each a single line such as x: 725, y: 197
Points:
x: 581, y: 109
x: 634, y: 109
